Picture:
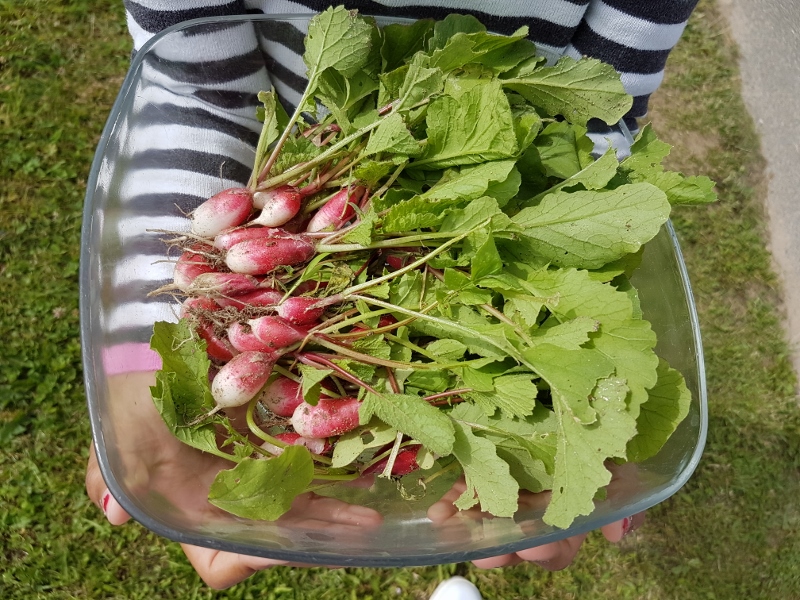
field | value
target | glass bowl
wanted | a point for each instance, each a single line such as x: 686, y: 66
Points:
x: 166, y: 490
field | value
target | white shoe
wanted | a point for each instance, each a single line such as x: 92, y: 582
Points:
x: 456, y: 588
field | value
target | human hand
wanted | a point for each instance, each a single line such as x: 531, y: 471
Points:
x: 182, y: 475
x: 552, y: 556
x: 216, y: 568
x: 559, y: 555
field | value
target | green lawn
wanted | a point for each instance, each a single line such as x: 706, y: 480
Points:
x: 732, y: 532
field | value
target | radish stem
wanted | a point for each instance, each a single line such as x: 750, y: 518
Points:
x: 387, y: 470
x: 389, y: 276
x: 261, y: 434
x: 314, y: 360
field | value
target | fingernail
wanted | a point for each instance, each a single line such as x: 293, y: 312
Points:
x: 627, y: 526
x: 104, y: 500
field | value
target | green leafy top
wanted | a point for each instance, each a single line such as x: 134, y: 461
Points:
x: 516, y: 351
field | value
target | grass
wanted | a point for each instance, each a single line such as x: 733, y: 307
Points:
x: 732, y: 532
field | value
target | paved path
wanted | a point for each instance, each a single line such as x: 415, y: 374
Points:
x: 768, y: 35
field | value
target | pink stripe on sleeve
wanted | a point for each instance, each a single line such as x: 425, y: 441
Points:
x: 130, y: 357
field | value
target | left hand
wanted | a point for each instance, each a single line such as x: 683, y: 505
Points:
x: 159, y: 463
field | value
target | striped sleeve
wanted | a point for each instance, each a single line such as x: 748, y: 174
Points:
x: 636, y: 38
x: 551, y: 23
x: 191, y: 132
x: 148, y: 17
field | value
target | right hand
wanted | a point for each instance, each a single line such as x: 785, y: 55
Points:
x: 552, y: 556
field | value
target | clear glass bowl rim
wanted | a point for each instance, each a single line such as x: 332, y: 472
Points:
x: 160, y: 529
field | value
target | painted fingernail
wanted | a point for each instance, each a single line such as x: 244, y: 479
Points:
x: 104, y: 500
x: 627, y: 526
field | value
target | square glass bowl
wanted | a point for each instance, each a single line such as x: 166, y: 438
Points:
x: 164, y: 484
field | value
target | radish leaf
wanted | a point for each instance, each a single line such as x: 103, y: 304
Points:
x: 582, y: 450
x: 263, y: 489
x: 337, y: 39
x: 414, y: 417
x: 488, y: 477
x: 468, y: 127
x: 576, y: 90
x: 182, y: 393
x: 629, y: 346
x: 392, y: 136
x: 311, y: 384
x: 667, y: 405
x: 588, y: 229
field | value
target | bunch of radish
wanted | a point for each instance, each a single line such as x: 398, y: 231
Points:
x: 238, y: 273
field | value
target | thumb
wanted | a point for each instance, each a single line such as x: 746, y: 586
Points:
x: 615, y: 532
x: 98, y: 492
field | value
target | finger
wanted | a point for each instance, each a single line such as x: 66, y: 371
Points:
x: 328, y: 531
x: 444, y: 508
x: 614, y: 532
x: 220, y: 570
x: 94, y: 480
x: 555, y: 555
x: 98, y: 492
x: 331, y: 510
x: 494, y: 562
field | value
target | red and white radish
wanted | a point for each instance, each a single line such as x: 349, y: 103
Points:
x: 282, y: 396
x: 399, y: 259
x: 190, y: 265
x: 199, y: 310
x: 278, y: 206
x: 314, y: 445
x: 229, y: 208
x: 241, y: 378
x: 217, y: 348
x: 230, y: 237
x: 242, y: 339
x: 261, y: 297
x: 404, y: 463
x: 329, y: 417
x: 338, y: 210
x: 276, y: 332
x: 222, y: 284
x: 198, y: 307
x: 300, y: 310
x: 265, y: 255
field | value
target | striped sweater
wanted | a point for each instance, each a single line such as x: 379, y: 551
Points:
x: 198, y: 98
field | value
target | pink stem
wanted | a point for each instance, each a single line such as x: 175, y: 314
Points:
x: 315, y: 360
x: 446, y: 394
x: 392, y: 381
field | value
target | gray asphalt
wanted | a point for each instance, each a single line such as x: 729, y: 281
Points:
x: 768, y: 35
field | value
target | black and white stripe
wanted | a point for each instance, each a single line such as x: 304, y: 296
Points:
x: 148, y: 17
x: 191, y: 132
x: 197, y: 98
x: 636, y: 37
